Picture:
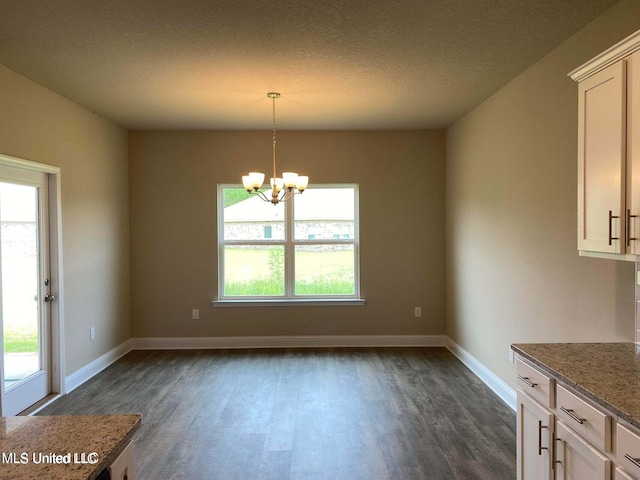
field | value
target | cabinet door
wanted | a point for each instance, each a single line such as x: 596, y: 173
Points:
x: 576, y: 459
x: 601, y: 160
x: 122, y: 467
x: 633, y: 154
x: 535, y: 440
x: 620, y: 474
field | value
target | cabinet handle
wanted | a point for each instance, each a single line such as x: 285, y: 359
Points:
x: 555, y: 454
x: 629, y: 217
x: 635, y: 461
x: 611, y: 217
x: 573, y: 416
x: 540, y: 447
x: 527, y: 381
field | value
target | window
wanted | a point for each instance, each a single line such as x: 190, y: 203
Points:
x: 289, y: 251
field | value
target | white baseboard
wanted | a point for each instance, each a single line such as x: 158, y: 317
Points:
x: 500, y: 388
x: 186, y: 343
x: 91, y: 369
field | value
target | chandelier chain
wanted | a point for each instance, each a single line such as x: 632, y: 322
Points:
x: 273, y: 98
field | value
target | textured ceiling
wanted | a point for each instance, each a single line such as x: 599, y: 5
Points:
x: 339, y: 64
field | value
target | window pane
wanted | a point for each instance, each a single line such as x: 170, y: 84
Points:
x: 19, y: 269
x: 325, y: 270
x: 248, y: 217
x: 251, y: 270
x: 325, y: 213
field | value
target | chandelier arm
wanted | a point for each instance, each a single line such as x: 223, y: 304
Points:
x: 287, y: 195
x: 260, y: 195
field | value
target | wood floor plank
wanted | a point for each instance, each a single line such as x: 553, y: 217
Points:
x: 293, y: 414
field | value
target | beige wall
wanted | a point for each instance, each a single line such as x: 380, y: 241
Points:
x: 513, y: 272
x: 39, y: 125
x: 173, y: 179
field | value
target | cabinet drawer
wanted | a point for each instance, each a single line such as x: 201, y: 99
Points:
x: 585, y: 419
x: 628, y: 450
x: 536, y: 384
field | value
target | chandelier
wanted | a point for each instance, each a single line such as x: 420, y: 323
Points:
x: 282, y: 188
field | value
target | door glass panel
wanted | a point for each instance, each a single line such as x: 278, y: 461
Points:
x: 20, y: 281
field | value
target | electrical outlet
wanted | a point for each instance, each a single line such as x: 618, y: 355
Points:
x: 418, y: 312
x: 510, y: 355
x: 92, y: 333
x: 195, y: 314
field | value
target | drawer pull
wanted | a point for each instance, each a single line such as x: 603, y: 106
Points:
x: 527, y: 381
x: 573, y: 416
x: 635, y: 461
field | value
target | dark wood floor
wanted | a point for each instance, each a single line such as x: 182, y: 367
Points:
x: 370, y: 414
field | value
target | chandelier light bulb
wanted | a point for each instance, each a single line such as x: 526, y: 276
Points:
x: 289, y: 179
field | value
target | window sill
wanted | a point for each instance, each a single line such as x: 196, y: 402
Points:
x: 302, y: 302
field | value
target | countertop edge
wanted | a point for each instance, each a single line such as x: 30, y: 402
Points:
x: 108, y: 460
x: 577, y: 387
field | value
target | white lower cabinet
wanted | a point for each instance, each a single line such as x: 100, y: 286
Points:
x: 578, y: 460
x: 563, y: 435
x: 620, y: 474
x: 628, y: 451
x: 535, y: 440
x: 122, y: 467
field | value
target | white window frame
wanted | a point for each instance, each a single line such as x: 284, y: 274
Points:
x: 289, y: 243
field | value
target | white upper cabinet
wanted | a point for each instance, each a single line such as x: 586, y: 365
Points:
x: 609, y: 151
x: 601, y: 160
x: 633, y: 154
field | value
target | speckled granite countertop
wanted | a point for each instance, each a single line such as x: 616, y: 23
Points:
x: 607, y: 373
x: 54, y: 447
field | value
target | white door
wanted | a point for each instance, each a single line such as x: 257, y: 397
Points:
x: 577, y: 460
x: 534, y: 440
x: 24, y: 289
x: 601, y: 161
x: 633, y: 154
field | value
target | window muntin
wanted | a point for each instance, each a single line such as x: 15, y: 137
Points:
x: 312, y: 252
